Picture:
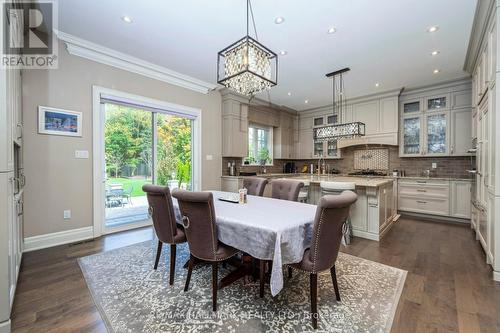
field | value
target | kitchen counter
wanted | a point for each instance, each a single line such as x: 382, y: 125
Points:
x: 337, y: 176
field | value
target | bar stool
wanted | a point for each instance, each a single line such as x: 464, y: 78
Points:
x: 304, y: 192
x: 336, y: 188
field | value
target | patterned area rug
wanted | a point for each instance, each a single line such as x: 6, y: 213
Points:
x: 132, y: 297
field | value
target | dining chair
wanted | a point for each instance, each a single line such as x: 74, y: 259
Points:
x: 198, y: 218
x: 331, y: 214
x: 286, y: 189
x: 255, y: 185
x: 165, y: 224
x: 336, y: 188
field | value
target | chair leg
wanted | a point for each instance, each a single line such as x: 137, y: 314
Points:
x: 190, y: 270
x: 290, y: 272
x: 158, y: 254
x: 214, y: 285
x: 333, y: 273
x: 262, y: 274
x: 173, y: 249
x: 313, y: 280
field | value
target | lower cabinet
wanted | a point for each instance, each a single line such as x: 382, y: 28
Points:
x: 449, y: 198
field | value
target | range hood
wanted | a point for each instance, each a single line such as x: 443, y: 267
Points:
x: 389, y: 139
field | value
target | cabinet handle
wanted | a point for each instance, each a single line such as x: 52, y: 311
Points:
x: 373, y: 205
x: 20, y: 126
x: 421, y: 190
x: 451, y: 149
x: 421, y: 181
x: 423, y: 202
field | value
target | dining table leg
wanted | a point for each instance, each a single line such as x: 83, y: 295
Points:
x: 262, y: 272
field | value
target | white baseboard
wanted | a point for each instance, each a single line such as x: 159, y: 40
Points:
x: 5, y: 326
x: 496, y: 276
x: 364, y: 234
x: 57, y: 238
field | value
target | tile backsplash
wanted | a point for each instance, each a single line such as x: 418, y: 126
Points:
x: 413, y: 166
x: 373, y: 159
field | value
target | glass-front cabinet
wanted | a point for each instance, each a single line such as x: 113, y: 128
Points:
x: 436, y: 134
x: 425, y: 126
x: 412, y: 137
x: 318, y: 149
x: 327, y: 149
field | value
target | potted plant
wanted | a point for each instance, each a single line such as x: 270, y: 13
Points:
x: 264, y: 156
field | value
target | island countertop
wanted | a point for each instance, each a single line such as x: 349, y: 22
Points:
x: 315, y: 179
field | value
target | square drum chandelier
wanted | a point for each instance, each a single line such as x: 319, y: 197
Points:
x: 246, y: 66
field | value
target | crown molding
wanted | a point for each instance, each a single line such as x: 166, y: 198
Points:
x: 483, y: 19
x: 98, y: 53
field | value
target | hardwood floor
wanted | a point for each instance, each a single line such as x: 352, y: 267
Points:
x: 448, y: 287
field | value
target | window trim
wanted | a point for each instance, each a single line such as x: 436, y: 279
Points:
x: 270, y: 143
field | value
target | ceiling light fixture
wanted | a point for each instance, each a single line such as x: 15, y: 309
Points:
x: 306, y: 101
x: 436, y: 71
x: 279, y: 20
x: 434, y: 28
x: 127, y: 19
x: 289, y: 94
x: 246, y: 66
x: 283, y: 52
x: 332, y: 30
x: 434, y: 53
x: 339, y: 105
x: 377, y: 84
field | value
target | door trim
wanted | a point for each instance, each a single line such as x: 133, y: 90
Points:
x: 98, y: 139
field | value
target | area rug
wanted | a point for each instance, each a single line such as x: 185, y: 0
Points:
x: 132, y: 297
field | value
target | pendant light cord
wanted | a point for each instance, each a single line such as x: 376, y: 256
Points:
x: 253, y: 20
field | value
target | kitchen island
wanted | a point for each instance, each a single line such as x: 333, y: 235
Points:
x: 372, y: 215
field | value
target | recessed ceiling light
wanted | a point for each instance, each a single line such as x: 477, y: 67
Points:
x: 434, y: 28
x: 127, y: 19
x: 279, y: 20
x: 283, y: 52
x: 306, y: 101
x: 434, y: 53
x: 436, y: 71
x: 332, y: 30
x: 289, y: 94
x: 377, y: 84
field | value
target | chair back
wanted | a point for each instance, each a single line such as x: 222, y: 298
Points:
x: 336, y: 187
x: 255, y: 185
x: 286, y: 189
x: 198, y: 218
x: 162, y: 212
x: 331, y: 214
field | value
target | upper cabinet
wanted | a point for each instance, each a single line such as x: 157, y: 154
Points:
x: 234, y: 128
x: 436, y: 122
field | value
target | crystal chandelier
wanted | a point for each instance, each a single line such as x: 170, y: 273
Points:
x: 246, y: 66
x: 344, y: 130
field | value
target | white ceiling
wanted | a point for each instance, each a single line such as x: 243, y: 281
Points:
x: 380, y: 40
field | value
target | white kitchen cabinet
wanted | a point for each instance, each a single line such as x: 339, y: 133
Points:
x: 234, y: 129
x: 6, y: 119
x: 283, y: 137
x: 460, y: 199
x: 436, y: 122
x: 425, y: 196
x: 461, y: 131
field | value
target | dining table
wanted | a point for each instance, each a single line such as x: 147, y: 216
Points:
x: 265, y: 228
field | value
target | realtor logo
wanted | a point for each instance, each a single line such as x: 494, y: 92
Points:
x: 28, y: 40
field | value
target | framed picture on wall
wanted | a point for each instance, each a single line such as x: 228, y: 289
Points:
x: 59, y: 122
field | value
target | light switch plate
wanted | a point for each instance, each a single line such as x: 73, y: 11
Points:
x: 434, y: 165
x: 210, y: 157
x: 81, y: 154
x: 67, y: 214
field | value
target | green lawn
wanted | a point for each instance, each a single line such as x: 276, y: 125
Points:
x: 127, y: 182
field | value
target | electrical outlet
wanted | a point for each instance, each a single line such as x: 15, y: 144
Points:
x: 209, y: 157
x: 81, y: 154
x: 434, y: 165
x: 67, y: 214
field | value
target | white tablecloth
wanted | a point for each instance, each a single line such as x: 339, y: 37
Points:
x: 266, y: 228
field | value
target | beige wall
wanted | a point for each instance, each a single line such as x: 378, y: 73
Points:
x: 55, y: 179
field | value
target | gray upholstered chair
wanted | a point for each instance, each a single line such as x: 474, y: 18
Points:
x: 255, y: 185
x: 198, y: 218
x: 331, y: 214
x: 164, y: 222
x: 286, y: 189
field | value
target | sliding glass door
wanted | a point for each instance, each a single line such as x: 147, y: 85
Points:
x: 142, y: 146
